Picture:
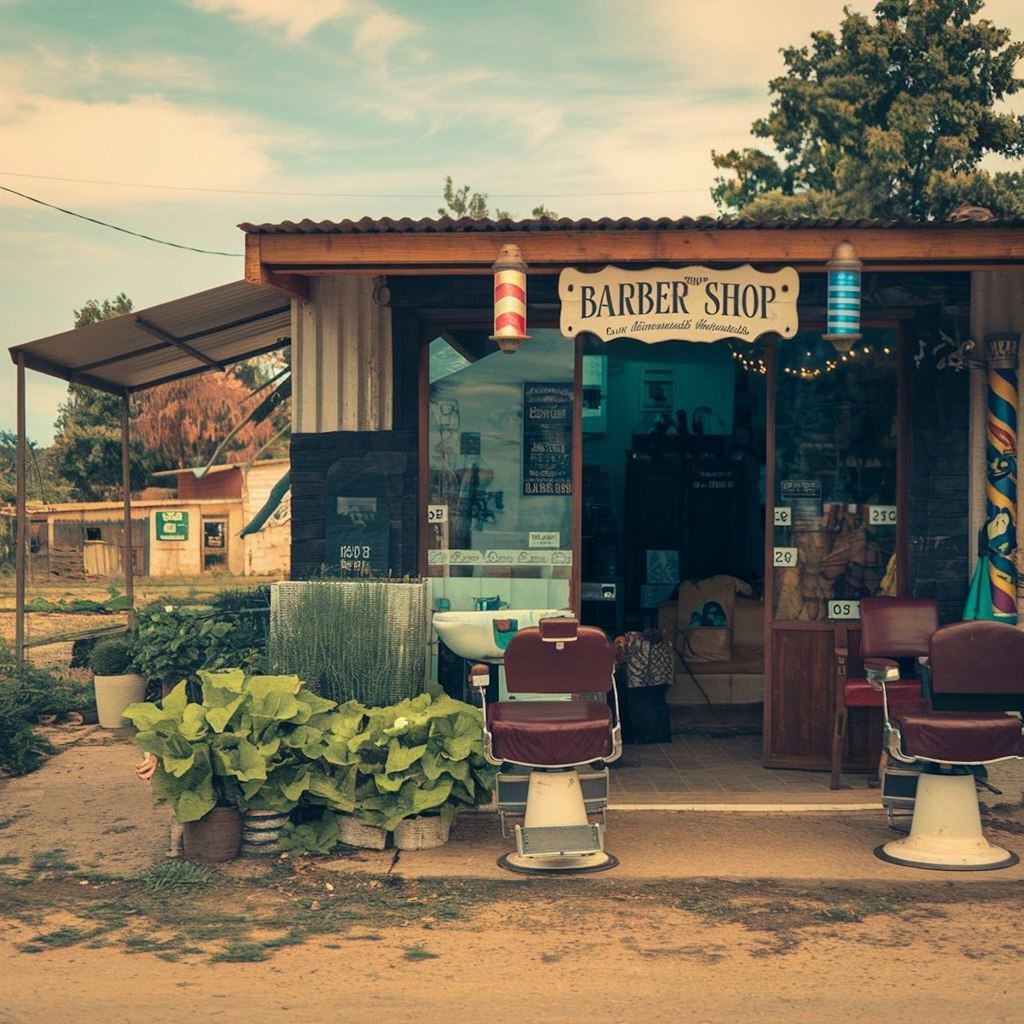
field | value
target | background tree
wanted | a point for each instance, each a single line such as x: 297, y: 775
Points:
x: 460, y: 202
x: 41, y: 481
x: 86, y: 449
x: 183, y: 422
x: 176, y: 425
x: 890, y: 119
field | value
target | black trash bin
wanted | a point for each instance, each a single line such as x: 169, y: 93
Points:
x: 642, y: 678
x: 645, y: 717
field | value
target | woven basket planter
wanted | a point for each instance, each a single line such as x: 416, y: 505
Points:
x: 261, y: 831
x: 423, y: 832
x: 352, y: 832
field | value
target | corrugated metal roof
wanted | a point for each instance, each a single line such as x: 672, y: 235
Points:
x: 176, y: 339
x: 448, y: 225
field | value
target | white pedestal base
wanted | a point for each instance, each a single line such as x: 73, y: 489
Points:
x: 556, y: 814
x: 945, y: 834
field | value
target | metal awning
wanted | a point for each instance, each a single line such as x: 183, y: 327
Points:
x: 206, y: 331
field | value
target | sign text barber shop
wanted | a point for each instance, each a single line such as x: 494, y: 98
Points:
x: 685, y: 304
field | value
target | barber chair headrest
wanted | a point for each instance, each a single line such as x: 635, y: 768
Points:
x: 558, y: 630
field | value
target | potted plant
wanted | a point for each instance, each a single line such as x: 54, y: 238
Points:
x: 251, y: 742
x: 419, y: 761
x: 115, y: 683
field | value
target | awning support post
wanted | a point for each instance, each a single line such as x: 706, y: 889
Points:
x: 126, y: 484
x: 21, y: 524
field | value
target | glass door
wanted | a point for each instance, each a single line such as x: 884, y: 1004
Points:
x: 834, y: 527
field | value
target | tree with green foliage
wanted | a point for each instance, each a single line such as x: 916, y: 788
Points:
x: 460, y: 202
x: 890, y: 119
x: 42, y: 483
x: 86, y: 450
x: 176, y: 425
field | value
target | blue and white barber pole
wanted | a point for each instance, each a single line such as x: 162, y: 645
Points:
x: 843, y: 297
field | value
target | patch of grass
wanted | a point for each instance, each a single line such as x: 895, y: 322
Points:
x: 52, y: 861
x: 10, y: 859
x: 241, y: 953
x: 420, y: 953
x: 66, y: 936
x: 837, y: 914
x: 177, y: 874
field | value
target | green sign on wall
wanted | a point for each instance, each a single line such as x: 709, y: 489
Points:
x: 172, y: 526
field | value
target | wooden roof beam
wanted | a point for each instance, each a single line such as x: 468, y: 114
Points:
x: 283, y: 257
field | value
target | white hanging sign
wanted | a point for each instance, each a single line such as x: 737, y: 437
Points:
x: 679, y: 304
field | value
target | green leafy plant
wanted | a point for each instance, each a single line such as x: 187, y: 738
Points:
x: 424, y: 754
x: 111, y: 657
x: 251, y: 742
x: 173, y: 642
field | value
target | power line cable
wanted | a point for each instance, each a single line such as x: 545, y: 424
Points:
x: 347, y: 195
x: 114, y: 227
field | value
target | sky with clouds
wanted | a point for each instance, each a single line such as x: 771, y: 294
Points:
x: 179, y: 119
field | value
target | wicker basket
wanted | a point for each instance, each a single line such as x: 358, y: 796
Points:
x: 423, y: 832
x: 352, y: 832
x: 261, y: 831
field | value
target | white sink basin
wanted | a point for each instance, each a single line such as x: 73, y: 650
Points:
x: 472, y: 635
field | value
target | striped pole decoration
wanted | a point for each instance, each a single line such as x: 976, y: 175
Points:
x: 844, y: 268
x: 1001, y: 457
x: 509, y: 299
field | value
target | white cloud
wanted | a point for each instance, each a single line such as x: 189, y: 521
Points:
x: 142, y: 139
x: 379, y: 31
x: 297, y: 17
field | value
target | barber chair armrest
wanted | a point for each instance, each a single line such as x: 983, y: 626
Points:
x: 879, y: 671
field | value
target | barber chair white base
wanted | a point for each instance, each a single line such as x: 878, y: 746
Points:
x: 945, y: 834
x: 556, y: 835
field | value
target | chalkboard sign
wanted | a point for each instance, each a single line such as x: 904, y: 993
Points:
x: 547, y: 439
x: 357, y: 533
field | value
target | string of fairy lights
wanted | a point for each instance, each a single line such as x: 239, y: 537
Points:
x: 820, y: 365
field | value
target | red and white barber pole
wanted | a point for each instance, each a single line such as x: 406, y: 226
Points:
x: 509, y: 299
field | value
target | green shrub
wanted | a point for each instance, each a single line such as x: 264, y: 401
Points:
x: 22, y: 749
x: 171, y: 643
x: 111, y: 657
x: 25, y: 696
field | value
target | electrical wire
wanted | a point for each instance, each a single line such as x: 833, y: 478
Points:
x: 114, y: 227
x: 348, y: 195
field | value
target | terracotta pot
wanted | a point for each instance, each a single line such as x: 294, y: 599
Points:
x: 214, y: 838
x: 114, y: 694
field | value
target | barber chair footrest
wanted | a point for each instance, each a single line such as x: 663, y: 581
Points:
x: 562, y: 840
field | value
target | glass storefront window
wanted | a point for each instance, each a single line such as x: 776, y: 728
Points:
x: 500, y: 457
x: 835, y: 475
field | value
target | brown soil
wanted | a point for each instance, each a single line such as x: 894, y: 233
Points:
x: 380, y: 936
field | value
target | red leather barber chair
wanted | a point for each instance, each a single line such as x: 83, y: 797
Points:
x: 557, y: 719
x: 975, y: 676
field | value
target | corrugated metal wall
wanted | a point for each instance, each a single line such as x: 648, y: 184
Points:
x: 341, y: 358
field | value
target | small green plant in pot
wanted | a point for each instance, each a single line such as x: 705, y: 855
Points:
x: 116, y: 684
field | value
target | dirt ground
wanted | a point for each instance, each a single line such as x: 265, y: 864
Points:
x: 94, y: 929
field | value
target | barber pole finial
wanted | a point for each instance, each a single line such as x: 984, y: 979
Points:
x: 509, y: 299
